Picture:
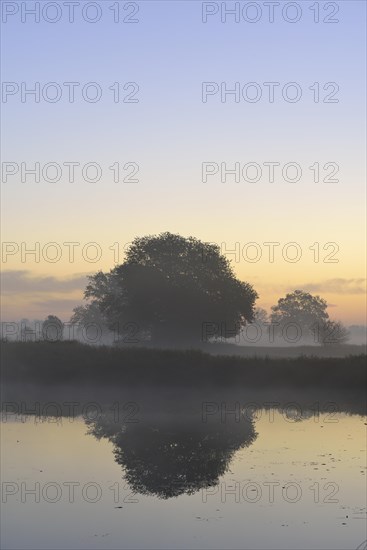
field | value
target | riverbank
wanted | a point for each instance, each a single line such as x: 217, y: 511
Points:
x: 79, y: 364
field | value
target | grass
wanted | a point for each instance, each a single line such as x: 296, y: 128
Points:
x: 79, y: 364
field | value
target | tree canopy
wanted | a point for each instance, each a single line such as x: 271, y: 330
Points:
x: 52, y: 329
x: 168, y: 287
x: 309, y: 313
x: 300, y: 307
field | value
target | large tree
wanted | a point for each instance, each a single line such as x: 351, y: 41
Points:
x: 168, y: 287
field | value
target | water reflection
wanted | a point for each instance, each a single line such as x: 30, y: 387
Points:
x: 166, y: 447
x: 186, y: 469
x: 166, y: 458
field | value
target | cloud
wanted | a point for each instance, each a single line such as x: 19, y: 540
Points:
x: 337, y: 286
x: 328, y: 286
x: 54, y: 305
x: 26, y: 294
x: 23, y: 282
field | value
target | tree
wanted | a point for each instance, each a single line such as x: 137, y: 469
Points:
x: 261, y: 316
x: 308, y: 313
x: 26, y: 332
x: 91, y: 325
x: 168, y: 287
x: 332, y: 332
x: 52, y: 329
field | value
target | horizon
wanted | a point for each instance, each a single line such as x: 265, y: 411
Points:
x: 342, y: 295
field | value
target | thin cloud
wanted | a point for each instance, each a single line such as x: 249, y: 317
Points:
x: 23, y: 282
x: 54, y: 304
x: 328, y: 286
x: 337, y: 286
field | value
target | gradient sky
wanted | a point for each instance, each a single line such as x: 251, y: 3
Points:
x: 171, y: 132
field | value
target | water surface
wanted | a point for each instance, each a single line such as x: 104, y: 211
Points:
x: 199, y: 473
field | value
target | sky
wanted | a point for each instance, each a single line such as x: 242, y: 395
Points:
x: 160, y: 124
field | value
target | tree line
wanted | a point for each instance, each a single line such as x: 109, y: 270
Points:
x: 169, y: 285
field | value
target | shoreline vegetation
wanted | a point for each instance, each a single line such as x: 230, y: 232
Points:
x: 224, y: 365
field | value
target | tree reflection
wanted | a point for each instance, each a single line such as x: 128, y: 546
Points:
x: 167, y: 457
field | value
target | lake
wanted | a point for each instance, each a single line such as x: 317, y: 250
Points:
x: 175, y: 469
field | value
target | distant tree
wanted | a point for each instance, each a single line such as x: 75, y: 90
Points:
x: 309, y: 314
x: 26, y: 332
x: 168, y: 287
x: 89, y: 313
x: 52, y: 329
x: 332, y: 332
x: 261, y: 316
x: 301, y: 311
x: 300, y: 307
x: 90, y: 323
